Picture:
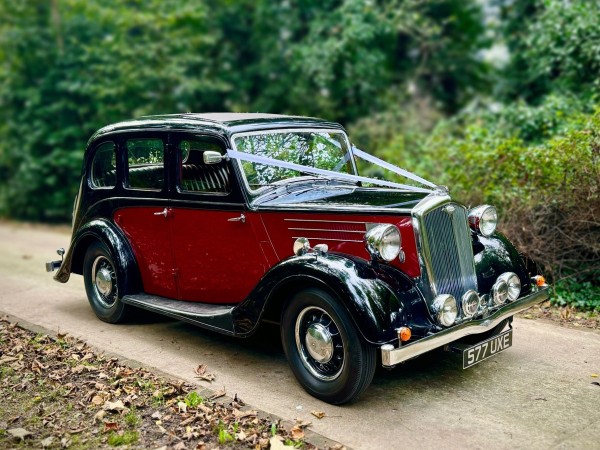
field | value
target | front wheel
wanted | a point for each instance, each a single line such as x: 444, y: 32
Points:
x: 102, y: 284
x: 325, y: 351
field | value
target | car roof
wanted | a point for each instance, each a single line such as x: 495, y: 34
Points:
x: 224, y: 124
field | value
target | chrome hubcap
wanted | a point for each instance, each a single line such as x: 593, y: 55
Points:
x: 319, y: 343
x: 104, y: 280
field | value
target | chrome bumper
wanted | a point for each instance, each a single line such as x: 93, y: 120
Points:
x: 391, y: 356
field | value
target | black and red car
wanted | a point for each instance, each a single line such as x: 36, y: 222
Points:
x: 229, y: 220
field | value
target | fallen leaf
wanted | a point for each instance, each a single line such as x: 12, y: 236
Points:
x: 97, y: 400
x: 114, y: 406
x: 179, y: 446
x: 7, y: 359
x: 182, y: 407
x: 241, y: 436
x: 156, y: 415
x: 218, y: 394
x: 78, y: 369
x: 594, y: 375
x: 19, y: 433
x: 203, y: 374
x: 241, y: 414
x: 99, y: 416
x: 276, y: 444
x: 595, y: 382
x: 318, y: 414
x: 47, y: 442
x: 111, y: 426
x: 303, y: 423
x: 297, y: 433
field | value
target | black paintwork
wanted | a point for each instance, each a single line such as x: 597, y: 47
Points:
x: 380, y: 300
x: 380, y: 297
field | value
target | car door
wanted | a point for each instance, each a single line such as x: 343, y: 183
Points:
x: 145, y: 213
x: 217, y: 257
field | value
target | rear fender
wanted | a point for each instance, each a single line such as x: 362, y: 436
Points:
x: 103, y: 231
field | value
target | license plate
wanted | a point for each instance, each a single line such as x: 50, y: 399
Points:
x: 487, y: 348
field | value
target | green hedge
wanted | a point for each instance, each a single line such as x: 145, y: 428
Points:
x: 541, y: 167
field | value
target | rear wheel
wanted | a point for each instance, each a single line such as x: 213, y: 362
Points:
x: 325, y: 351
x: 102, y: 284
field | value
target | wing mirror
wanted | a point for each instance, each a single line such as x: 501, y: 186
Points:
x: 212, y: 157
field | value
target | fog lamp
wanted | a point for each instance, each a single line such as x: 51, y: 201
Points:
x: 499, y: 292
x: 470, y: 303
x: 514, y: 285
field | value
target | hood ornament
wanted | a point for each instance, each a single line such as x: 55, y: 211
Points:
x: 449, y: 209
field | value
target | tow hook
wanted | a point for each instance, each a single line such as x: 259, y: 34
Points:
x: 53, y: 265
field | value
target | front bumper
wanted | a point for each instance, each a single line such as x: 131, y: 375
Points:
x: 391, y: 356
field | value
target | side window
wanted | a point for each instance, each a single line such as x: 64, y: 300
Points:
x: 103, y: 173
x: 145, y: 164
x: 195, y: 176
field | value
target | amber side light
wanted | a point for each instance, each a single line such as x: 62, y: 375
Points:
x: 404, y: 334
x: 540, y: 281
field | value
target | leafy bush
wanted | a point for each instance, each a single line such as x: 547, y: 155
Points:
x: 541, y: 167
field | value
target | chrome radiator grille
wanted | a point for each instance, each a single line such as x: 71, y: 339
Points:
x: 448, y: 251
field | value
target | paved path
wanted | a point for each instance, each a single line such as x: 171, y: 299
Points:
x: 538, y: 394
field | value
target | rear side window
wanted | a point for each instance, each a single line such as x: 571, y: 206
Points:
x: 197, y: 176
x: 103, y: 173
x: 145, y: 164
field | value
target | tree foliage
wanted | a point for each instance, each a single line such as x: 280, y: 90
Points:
x: 412, y: 79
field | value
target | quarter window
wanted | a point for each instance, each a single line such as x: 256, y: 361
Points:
x: 145, y: 164
x: 103, y: 173
x: 197, y: 176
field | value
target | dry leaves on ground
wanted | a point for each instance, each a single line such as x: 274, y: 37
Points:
x: 58, y: 393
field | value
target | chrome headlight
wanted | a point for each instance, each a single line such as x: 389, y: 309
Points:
x: 470, y: 303
x: 513, y: 284
x: 483, y: 219
x: 383, y: 241
x: 445, y: 309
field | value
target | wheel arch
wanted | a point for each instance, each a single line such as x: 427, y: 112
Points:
x: 106, y: 233
x: 375, y: 305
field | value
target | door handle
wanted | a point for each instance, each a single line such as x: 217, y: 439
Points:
x: 242, y: 219
x: 163, y: 213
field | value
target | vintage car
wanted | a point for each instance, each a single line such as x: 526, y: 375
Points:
x: 227, y: 221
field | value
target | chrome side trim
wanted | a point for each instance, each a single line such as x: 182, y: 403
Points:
x: 391, y: 356
x: 328, y: 239
x: 323, y: 221
x: 328, y: 231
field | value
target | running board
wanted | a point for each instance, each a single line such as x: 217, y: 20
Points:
x: 207, y: 315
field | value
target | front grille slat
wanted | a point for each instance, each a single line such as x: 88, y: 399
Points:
x: 449, y: 251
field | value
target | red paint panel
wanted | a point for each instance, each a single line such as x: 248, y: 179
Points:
x: 342, y: 233
x: 217, y: 261
x: 150, y: 237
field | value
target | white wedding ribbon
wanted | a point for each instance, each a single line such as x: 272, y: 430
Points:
x: 242, y: 156
x: 391, y: 167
